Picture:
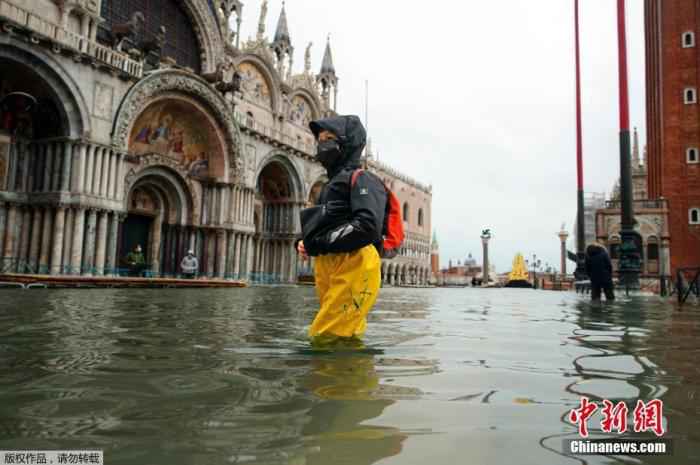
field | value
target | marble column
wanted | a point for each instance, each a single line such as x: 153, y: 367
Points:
x: 67, y: 241
x: 57, y: 166
x: 3, y: 223
x: 283, y: 259
x: 23, y: 252
x: 97, y: 179
x: 89, y: 168
x: 57, y: 247
x: 101, y: 244
x: 31, y: 167
x: 249, y: 207
x: 243, y: 257
x: 35, y: 246
x: 46, y: 233
x: 28, y: 155
x: 112, y: 238
x: 220, y: 253
x: 111, y: 186
x: 104, y: 180
x: 294, y: 262
x: 78, y: 169
x: 233, y: 198
x: 249, y: 256
x: 211, y: 253
x: 231, y: 256
x: 90, y: 232
x: 119, y: 188
x: 48, y: 167
x: 237, y: 258
x: 66, y: 168
x: 156, y: 239
x: 76, y: 260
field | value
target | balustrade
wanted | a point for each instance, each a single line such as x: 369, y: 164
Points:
x: 60, y: 35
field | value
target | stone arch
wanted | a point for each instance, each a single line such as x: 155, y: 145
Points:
x: 158, y: 205
x: 315, y: 189
x: 268, y: 72
x: 312, y: 99
x: 169, y: 183
x: 208, y: 33
x: 173, y: 83
x: 72, y: 108
x: 296, y: 186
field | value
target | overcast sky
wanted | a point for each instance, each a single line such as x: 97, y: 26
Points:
x: 477, y: 99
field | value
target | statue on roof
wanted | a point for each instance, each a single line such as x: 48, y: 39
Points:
x: 307, y: 58
x: 261, y: 23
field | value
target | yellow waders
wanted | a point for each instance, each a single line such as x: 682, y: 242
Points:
x: 347, y: 285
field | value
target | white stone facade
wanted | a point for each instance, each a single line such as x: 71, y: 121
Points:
x: 116, y: 151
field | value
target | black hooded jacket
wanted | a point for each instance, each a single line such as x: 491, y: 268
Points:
x: 598, y: 265
x: 346, y: 217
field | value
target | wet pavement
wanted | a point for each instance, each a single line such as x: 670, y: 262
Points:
x: 226, y: 376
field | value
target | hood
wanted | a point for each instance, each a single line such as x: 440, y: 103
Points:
x: 594, y: 249
x: 351, y: 138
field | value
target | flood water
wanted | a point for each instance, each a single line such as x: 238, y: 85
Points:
x: 226, y: 376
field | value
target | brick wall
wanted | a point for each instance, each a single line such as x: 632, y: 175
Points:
x: 673, y: 125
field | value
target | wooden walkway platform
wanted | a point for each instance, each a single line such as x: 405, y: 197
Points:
x: 91, y: 282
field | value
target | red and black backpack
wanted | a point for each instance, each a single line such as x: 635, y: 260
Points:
x: 392, y: 230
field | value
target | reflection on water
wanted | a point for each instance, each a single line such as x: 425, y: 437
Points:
x: 226, y: 376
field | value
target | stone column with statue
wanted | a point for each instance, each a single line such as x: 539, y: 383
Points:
x: 485, y: 237
x: 563, y: 236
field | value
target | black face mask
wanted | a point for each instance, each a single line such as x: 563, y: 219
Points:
x: 329, y: 153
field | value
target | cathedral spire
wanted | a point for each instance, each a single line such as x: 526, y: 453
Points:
x: 328, y: 79
x: 282, y: 32
x: 282, y: 47
x: 327, y: 65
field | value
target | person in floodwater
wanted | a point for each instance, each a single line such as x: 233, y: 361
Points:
x: 136, y: 261
x: 344, y: 232
x: 599, y: 270
x: 189, y: 265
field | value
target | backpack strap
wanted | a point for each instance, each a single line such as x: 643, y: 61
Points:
x: 355, y: 174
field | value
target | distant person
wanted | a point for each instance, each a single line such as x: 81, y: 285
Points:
x: 189, y: 265
x: 344, y: 232
x: 599, y: 270
x: 136, y: 261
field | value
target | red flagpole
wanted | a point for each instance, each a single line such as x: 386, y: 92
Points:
x: 580, y: 227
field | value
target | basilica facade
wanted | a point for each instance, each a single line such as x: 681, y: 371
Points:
x: 122, y: 126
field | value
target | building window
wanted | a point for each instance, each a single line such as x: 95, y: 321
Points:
x: 653, y: 251
x: 420, y: 217
x: 694, y: 215
x: 692, y: 155
x: 250, y: 119
x: 405, y: 212
x: 690, y: 95
x: 688, y: 39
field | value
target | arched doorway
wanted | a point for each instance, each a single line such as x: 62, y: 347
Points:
x: 157, y: 214
x: 277, y: 198
x: 41, y: 114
